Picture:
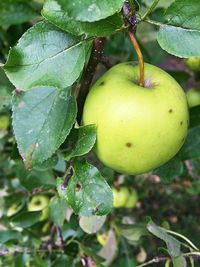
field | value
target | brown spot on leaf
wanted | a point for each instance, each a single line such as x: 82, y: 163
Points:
x: 78, y: 187
x: 181, y: 123
x: 170, y: 110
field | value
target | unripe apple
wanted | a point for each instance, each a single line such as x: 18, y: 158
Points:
x: 141, y: 256
x: 4, y: 122
x: 138, y: 128
x: 13, y: 209
x: 102, y: 238
x: 193, y: 97
x: 40, y: 202
x: 132, y: 199
x: 120, y: 196
x: 193, y: 63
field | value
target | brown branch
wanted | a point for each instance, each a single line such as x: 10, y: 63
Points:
x: 67, y: 177
x: 106, y: 62
x: 95, y: 58
x: 50, y: 240
x: 140, y: 57
x: 60, y: 238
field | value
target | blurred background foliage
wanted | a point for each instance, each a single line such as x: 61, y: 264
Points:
x: 39, y: 229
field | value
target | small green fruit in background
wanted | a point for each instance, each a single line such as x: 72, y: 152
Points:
x: 193, y: 63
x: 120, y: 196
x: 132, y: 199
x: 102, y: 238
x: 193, y: 97
x: 40, y: 202
x: 4, y: 122
x: 141, y: 256
x: 13, y: 209
x: 138, y: 128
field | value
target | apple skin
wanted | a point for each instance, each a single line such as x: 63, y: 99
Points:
x: 132, y: 199
x: 193, y: 97
x: 138, y: 128
x: 193, y: 63
x: 40, y: 202
x: 120, y: 196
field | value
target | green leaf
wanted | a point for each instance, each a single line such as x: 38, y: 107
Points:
x: 47, y: 164
x: 9, y: 235
x: 35, y: 179
x: 87, y: 191
x: 5, y: 97
x: 173, y: 245
x: 57, y: 210
x: 26, y: 219
x: 81, y: 141
x: 91, y: 224
x: 15, y: 12
x: 45, y: 55
x: 110, y: 250
x: 171, y: 170
x: 194, y: 116
x: 133, y: 232
x: 42, y: 119
x: 191, y: 148
x: 87, y: 10
x: 55, y: 12
x: 181, y: 35
x: 63, y: 261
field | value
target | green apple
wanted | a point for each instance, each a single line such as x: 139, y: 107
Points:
x: 193, y: 97
x: 4, y: 122
x: 120, y: 196
x: 13, y: 209
x: 40, y: 202
x: 132, y: 199
x: 193, y: 63
x: 138, y: 128
x: 102, y: 238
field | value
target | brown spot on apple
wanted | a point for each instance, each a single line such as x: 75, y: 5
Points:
x: 128, y: 144
x: 102, y: 83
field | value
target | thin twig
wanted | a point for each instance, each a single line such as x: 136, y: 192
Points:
x: 184, y: 238
x: 152, y: 7
x: 60, y: 238
x: 95, y: 58
x: 50, y: 240
x: 68, y: 175
x: 155, y: 260
x: 140, y: 57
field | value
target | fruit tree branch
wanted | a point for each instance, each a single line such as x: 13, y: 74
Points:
x: 95, y: 58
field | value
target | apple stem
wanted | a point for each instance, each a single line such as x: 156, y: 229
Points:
x: 140, y: 56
